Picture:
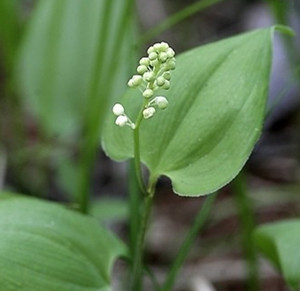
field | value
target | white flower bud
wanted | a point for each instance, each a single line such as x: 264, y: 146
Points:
x: 163, y: 56
x: 148, y: 76
x: 121, y: 120
x: 171, y: 65
x: 150, y: 50
x: 118, y: 109
x: 148, y: 93
x: 135, y: 81
x: 142, y: 69
x: 152, y: 56
x: 160, y: 81
x: 157, y: 46
x: 144, y: 61
x: 148, y: 112
x: 161, y: 102
x: 166, y: 85
x: 170, y: 52
x: 167, y: 76
x: 164, y: 46
x: 154, y: 62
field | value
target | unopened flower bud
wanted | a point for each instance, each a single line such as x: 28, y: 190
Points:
x: 118, y: 109
x: 160, y: 81
x: 157, y: 46
x: 144, y: 61
x: 164, y: 45
x: 154, y: 62
x: 148, y: 112
x: 167, y: 76
x: 161, y: 102
x: 163, y: 56
x: 171, y: 65
x: 121, y: 120
x: 135, y: 81
x: 142, y: 69
x: 152, y: 56
x: 148, y: 93
x: 166, y: 85
x: 148, y: 76
x: 170, y: 52
x: 150, y: 50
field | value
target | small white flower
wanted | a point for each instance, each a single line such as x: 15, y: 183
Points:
x: 148, y: 112
x: 122, y: 120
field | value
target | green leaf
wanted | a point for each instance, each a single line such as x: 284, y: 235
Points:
x: 57, y: 57
x: 280, y: 242
x: 45, y: 246
x: 215, y: 115
x: 109, y: 209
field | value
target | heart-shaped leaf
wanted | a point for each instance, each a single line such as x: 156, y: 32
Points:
x: 215, y: 115
x: 280, y: 242
x: 45, y: 246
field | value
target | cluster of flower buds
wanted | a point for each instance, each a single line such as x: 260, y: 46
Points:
x: 154, y: 72
x: 122, y: 118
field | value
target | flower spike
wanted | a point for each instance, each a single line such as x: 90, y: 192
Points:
x: 153, y: 73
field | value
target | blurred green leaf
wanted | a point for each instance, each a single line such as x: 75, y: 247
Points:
x: 279, y: 242
x: 108, y: 209
x: 217, y: 105
x: 9, y: 31
x: 57, y: 58
x: 44, y: 246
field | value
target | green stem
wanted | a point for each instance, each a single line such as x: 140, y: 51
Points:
x: 137, y: 270
x: 247, y: 220
x: 175, y: 18
x: 137, y: 154
x: 188, y: 242
x: 148, y: 200
x: 134, y: 207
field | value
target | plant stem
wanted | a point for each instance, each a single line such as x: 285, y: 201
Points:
x: 137, y: 154
x: 200, y: 219
x: 247, y: 226
x: 147, y: 206
x: 134, y: 207
x: 137, y: 270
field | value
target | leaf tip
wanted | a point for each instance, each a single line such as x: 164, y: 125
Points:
x: 283, y: 29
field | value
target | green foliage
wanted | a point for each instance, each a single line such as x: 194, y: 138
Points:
x: 217, y: 100
x: 45, y: 246
x: 57, y: 60
x: 279, y: 242
x: 109, y: 209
